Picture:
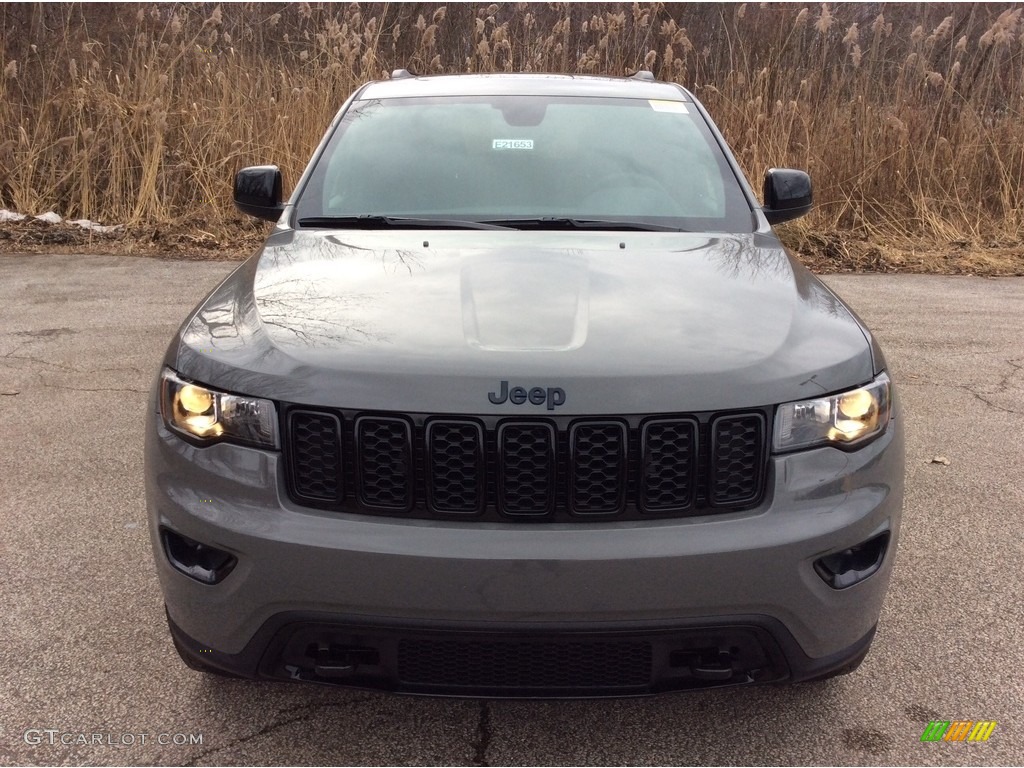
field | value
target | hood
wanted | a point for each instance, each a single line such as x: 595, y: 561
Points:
x: 434, y: 322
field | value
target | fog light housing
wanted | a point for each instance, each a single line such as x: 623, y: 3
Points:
x: 851, y: 566
x: 197, y: 561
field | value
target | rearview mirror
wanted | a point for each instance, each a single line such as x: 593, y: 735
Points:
x: 258, y: 192
x: 787, y: 194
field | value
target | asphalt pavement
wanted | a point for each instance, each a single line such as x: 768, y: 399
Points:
x: 90, y: 676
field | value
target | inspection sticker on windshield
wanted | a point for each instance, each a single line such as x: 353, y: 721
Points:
x: 661, y: 105
x: 512, y: 144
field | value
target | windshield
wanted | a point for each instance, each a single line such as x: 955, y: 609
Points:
x: 503, y: 158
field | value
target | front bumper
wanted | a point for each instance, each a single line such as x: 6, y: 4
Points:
x: 522, y: 661
x: 308, y: 580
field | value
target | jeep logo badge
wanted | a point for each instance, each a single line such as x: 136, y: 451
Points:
x: 553, y: 396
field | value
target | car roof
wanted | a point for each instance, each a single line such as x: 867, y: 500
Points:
x: 506, y: 84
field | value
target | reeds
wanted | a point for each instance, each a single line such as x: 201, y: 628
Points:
x: 907, y: 116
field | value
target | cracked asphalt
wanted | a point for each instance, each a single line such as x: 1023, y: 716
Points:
x: 86, y: 655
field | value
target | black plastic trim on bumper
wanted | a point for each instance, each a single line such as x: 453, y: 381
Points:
x: 370, y: 648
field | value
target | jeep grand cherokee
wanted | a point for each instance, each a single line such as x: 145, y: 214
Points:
x: 523, y: 397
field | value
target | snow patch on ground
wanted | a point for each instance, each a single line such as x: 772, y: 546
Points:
x: 95, y: 226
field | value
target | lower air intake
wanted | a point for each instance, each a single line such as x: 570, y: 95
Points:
x: 496, y: 665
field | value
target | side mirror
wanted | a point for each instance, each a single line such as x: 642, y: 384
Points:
x: 258, y: 192
x: 787, y: 194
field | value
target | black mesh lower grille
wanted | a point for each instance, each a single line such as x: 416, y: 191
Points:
x: 538, y: 469
x: 527, y: 660
x: 493, y: 664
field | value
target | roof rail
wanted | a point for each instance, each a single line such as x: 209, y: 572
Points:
x: 642, y: 74
x: 398, y: 74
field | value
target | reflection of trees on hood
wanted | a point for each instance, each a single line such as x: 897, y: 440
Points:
x: 822, y: 298
x: 303, y: 247
x: 741, y: 257
x: 295, y: 306
x: 219, y: 322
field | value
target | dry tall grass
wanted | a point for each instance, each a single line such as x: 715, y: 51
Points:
x: 908, y: 117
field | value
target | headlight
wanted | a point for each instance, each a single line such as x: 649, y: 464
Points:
x: 207, y: 415
x: 847, y: 419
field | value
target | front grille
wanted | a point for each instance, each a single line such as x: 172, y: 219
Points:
x: 385, y: 465
x: 496, y: 664
x: 315, y: 451
x: 598, y: 468
x: 736, y: 471
x: 527, y: 473
x: 456, y: 469
x: 669, y: 470
x: 560, y: 468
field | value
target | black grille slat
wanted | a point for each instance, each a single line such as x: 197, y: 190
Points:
x: 669, y: 465
x: 598, y: 468
x: 385, y: 462
x: 550, y: 469
x: 526, y: 478
x: 736, y: 459
x: 315, y: 455
x: 524, y: 665
x: 456, y: 467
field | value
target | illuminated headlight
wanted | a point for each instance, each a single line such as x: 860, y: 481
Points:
x: 207, y: 415
x: 847, y: 419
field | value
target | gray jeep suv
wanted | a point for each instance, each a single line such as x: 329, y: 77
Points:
x: 523, y: 397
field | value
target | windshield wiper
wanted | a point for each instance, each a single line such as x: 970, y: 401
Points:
x: 375, y: 221
x: 559, y: 222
